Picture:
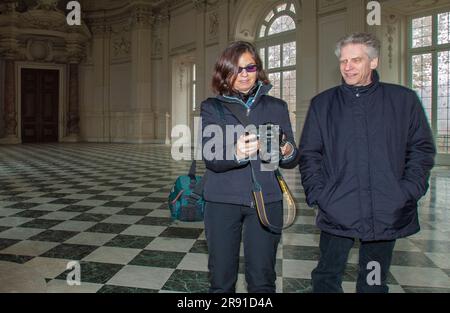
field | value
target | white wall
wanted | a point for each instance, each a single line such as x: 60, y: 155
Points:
x: 393, y: 32
x: 182, y: 29
x: 91, y: 114
x: 331, y: 29
x: 188, y: 32
x: 120, y: 80
x: 180, y: 92
x: 212, y: 53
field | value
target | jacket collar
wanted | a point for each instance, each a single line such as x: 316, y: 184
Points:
x: 261, y: 90
x: 362, y: 91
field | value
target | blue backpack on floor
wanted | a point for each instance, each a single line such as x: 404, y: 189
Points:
x: 186, y: 197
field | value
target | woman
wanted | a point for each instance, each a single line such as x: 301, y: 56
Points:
x: 239, y: 80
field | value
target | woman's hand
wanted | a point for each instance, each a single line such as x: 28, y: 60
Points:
x: 287, y: 148
x: 247, y: 146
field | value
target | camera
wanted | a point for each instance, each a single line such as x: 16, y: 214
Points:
x: 271, y: 140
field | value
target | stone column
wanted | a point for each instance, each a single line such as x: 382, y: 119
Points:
x: 307, y: 56
x: 10, y: 111
x: 142, y: 120
x: 200, y: 7
x: 10, y: 46
x: 73, y: 127
x: 99, y: 110
x: 162, y: 105
x: 73, y: 114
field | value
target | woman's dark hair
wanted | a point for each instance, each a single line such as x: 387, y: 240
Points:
x: 226, y: 68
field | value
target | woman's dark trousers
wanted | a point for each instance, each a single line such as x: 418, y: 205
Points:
x: 223, y: 226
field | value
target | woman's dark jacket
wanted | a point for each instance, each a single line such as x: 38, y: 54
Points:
x: 230, y: 181
x: 365, y: 159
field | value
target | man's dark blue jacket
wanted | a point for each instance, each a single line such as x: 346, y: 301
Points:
x: 230, y: 181
x: 365, y: 159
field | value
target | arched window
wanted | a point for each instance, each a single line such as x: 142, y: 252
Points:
x: 277, y: 46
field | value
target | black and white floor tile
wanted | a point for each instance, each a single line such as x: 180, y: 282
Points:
x: 104, y: 205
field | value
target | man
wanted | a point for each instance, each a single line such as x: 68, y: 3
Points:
x: 365, y: 157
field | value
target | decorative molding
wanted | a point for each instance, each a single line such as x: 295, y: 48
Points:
x: 73, y: 115
x: 182, y: 69
x: 213, y: 4
x: 10, y: 113
x: 411, y: 7
x: 424, y: 3
x: 329, y: 3
x: 47, y: 5
x: 142, y: 17
x: 120, y: 35
x: 8, y: 8
x: 157, y: 46
x: 40, y: 19
x: 390, y: 32
x: 101, y: 30
x: 245, y: 33
x: 202, y: 5
x: 121, y: 47
x: 199, y: 5
x: 213, y: 24
x: 75, y: 50
x: 327, y: 6
x: 39, y: 50
x: 9, y: 47
x: 162, y: 18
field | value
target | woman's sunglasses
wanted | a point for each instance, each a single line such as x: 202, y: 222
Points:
x: 251, y: 68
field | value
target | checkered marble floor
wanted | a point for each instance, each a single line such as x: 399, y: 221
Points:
x: 104, y: 205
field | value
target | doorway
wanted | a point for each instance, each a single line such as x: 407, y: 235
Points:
x: 39, y: 105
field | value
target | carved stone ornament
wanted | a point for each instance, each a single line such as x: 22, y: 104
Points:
x: 162, y: 19
x: 122, y: 47
x: 331, y: 5
x: 8, y: 7
x: 182, y: 71
x: 39, y: 50
x: 390, y: 32
x: 142, y: 16
x: 48, y: 5
x: 199, y: 5
x: 245, y: 33
x: 213, y: 24
x: 9, y: 47
x: 157, y: 46
x: 424, y: 3
x: 51, y: 20
x: 101, y: 30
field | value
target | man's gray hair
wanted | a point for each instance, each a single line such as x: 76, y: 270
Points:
x: 369, y: 40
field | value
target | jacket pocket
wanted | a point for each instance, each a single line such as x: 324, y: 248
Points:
x: 326, y: 193
x: 389, y: 196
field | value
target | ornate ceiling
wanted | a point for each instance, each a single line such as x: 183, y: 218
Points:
x: 409, y: 7
x: 86, y: 5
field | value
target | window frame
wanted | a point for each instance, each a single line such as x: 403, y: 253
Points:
x: 434, y: 49
x: 193, y: 86
x: 279, y: 39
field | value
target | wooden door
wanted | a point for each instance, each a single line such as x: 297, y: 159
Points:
x: 40, y: 96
